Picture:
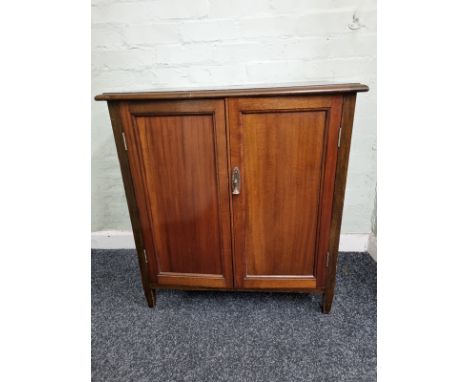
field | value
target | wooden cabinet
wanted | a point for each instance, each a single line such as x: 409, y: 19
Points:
x: 237, y: 189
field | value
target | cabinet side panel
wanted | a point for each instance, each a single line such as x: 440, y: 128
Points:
x: 116, y: 110
x: 347, y: 117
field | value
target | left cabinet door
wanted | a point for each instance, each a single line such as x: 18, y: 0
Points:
x: 179, y: 166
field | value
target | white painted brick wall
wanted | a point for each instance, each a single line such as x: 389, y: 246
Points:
x: 139, y: 45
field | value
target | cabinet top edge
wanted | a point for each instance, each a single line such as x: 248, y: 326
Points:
x: 236, y: 91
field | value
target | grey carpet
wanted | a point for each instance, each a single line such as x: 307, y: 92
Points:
x: 217, y: 336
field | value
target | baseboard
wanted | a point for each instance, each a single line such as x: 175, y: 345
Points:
x: 353, y: 242
x: 372, y: 246
x: 112, y: 240
x: 350, y: 242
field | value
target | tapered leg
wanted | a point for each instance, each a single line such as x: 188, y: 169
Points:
x: 327, y: 300
x: 150, y: 295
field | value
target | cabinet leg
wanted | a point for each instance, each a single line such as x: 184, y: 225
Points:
x: 327, y: 300
x: 150, y: 297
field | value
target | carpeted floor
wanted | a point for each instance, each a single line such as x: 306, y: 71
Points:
x: 217, y: 336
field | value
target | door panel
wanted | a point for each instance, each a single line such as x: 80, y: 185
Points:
x: 178, y: 159
x: 286, y: 151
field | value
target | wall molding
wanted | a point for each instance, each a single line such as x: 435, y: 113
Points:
x: 350, y: 242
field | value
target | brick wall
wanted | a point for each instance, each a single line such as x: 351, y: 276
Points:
x: 139, y: 45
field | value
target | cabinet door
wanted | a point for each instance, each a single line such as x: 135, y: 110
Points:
x: 285, y: 149
x: 179, y: 166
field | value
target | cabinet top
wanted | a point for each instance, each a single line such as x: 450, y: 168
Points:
x: 237, y: 91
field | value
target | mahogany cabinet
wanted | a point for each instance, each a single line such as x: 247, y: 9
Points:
x: 236, y: 189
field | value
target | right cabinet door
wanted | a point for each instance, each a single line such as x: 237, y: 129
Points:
x: 285, y: 150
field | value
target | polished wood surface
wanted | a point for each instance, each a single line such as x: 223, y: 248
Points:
x: 314, y: 290
x: 178, y: 157
x: 338, y: 198
x: 285, y: 148
x: 115, y: 111
x: 237, y: 91
x: 281, y: 232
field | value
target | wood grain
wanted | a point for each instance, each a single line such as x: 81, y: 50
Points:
x: 274, y: 235
x: 312, y: 89
x: 214, y: 289
x: 284, y: 148
x: 178, y: 156
x: 117, y: 128
x: 338, y: 198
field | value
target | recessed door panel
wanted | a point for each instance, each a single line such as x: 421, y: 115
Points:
x: 178, y: 157
x: 285, y: 150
